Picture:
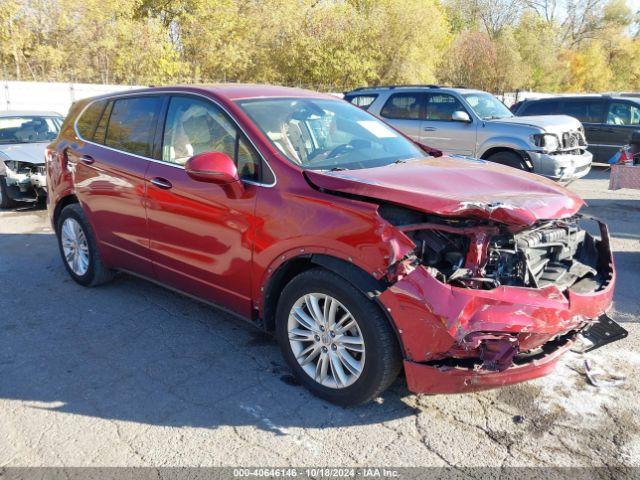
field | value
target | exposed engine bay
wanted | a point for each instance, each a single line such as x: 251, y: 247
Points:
x: 25, y: 181
x: 475, y: 254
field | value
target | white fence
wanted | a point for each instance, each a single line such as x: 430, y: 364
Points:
x: 48, y: 96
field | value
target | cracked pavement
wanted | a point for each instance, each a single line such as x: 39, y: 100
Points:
x: 131, y: 374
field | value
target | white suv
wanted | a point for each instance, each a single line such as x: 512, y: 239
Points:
x: 475, y: 123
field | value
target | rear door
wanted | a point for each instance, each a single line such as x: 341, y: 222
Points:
x: 201, y: 235
x: 441, y: 132
x: 405, y: 111
x: 622, y: 119
x: 110, y: 161
x: 590, y: 112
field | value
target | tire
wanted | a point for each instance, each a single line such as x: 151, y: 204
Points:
x: 510, y: 159
x: 5, y: 200
x: 380, y: 359
x: 93, y: 272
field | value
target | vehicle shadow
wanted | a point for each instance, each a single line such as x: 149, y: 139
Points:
x: 134, y: 351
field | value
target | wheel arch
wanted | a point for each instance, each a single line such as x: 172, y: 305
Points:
x: 356, y: 276
x: 63, y: 202
x: 521, y: 153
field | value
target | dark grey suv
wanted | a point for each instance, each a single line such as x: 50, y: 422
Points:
x: 609, y: 121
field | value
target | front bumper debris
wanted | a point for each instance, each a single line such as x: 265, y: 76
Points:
x: 462, y: 339
x: 25, y: 182
x: 562, y: 166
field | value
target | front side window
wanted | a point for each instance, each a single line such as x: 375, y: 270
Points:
x: 623, y: 113
x: 132, y: 124
x: 321, y: 134
x: 196, y: 126
x: 441, y: 107
x: 29, y: 129
x: 362, y: 101
x: 403, y: 106
x: 486, y: 106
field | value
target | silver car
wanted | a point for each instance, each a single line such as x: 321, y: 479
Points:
x: 23, y: 138
x: 475, y: 123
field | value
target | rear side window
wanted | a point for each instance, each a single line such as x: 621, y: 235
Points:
x: 132, y: 124
x: 441, y: 107
x: 542, y: 107
x: 588, y: 111
x: 403, y: 106
x: 86, y: 123
x: 362, y: 101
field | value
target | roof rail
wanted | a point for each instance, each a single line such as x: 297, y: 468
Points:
x: 391, y: 87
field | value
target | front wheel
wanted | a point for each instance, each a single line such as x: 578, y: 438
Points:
x: 511, y: 159
x: 337, y: 342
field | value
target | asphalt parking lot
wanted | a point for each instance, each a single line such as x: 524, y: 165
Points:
x: 131, y: 374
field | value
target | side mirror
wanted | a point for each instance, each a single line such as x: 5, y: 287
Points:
x: 212, y: 167
x: 460, y: 116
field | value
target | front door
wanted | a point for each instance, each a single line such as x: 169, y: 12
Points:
x: 110, y: 168
x: 201, y: 235
x: 623, y: 118
x: 441, y: 132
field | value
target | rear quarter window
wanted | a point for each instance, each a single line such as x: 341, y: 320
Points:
x: 362, y: 101
x: 86, y: 123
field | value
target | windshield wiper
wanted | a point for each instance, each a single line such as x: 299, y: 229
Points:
x: 336, y: 169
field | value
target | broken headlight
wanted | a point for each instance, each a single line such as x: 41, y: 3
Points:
x: 547, y: 141
x: 440, y: 250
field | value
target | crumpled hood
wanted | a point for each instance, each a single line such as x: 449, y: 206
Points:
x: 548, y: 123
x: 24, y: 152
x: 457, y: 187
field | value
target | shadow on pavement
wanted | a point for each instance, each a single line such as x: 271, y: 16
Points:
x: 134, y: 351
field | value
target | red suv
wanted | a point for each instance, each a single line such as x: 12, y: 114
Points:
x: 364, y: 252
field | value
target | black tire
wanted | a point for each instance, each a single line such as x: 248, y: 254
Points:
x: 5, y: 200
x: 383, y: 356
x: 510, y: 159
x: 96, y: 273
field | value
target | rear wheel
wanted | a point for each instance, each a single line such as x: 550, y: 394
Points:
x: 79, y: 248
x: 337, y: 342
x: 5, y: 200
x: 511, y: 159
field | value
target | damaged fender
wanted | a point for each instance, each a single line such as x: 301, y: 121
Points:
x: 459, y: 339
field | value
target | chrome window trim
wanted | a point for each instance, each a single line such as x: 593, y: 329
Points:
x: 162, y: 162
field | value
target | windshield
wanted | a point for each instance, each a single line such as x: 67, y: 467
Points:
x: 328, y: 134
x: 486, y: 106
x: 29, y: 129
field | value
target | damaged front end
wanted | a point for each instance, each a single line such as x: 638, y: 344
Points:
x: 479, y: 304
x: 26, y: 182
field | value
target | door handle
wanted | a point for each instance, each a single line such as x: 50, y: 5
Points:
x: 429, y: 129
x: 87, y: 159
x: 161, y: 183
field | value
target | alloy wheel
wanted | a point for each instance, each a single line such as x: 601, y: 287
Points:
x: 75, y: 246
x: 326, y: 340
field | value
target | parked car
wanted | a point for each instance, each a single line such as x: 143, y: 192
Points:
x: 475, y: 123
x: 23, y: 137
x: 609, y: 121
x: 313, y: 219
